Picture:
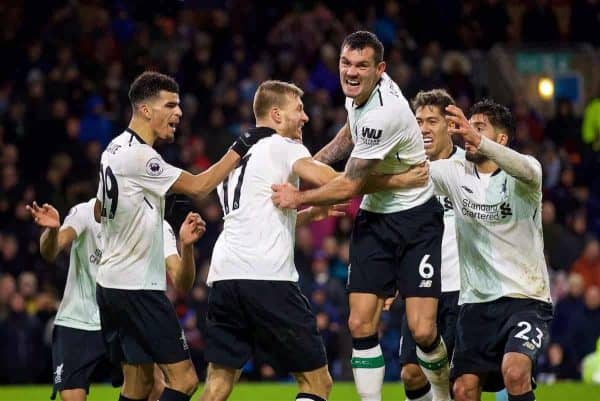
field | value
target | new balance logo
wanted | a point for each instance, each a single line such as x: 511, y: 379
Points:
x: 58, y: 373
x: 469, y: 190
x: 425, y: 284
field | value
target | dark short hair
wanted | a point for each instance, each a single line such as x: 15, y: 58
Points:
x: 498, y: 115
x: 435, y: 97
x: 361, y: 39
x: 149, y: 84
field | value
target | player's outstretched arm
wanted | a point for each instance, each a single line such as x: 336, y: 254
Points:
x: 200, y: 185
x: 52, y: 240
x: 338, y: 148
x: 338, y: 190
x: 182, y: 268
x: 316, y: 213
x: 314, y: 171
x: 523, y: 168
x: 415, y: 176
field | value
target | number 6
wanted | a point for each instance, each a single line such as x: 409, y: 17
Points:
x: 425, y: 269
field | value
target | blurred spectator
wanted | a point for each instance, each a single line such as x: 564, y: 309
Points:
x: 555, y: 365
x: 566, y: 309
x: 94, y: 125
x: 563, y: 195
x: 591, y: 124
x: 588, y: 265
x: 565, y: 127
x: 8, y: 287
x: 21, y: 345
x: 28, y: 287
x: 585, y: 326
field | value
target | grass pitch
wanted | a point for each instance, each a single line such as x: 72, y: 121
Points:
x: 342, y: 391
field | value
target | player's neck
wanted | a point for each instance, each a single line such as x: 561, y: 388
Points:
x: 268, y: 124
x: 486, y: 167
x: 445, y: 153
x: 143, y: 130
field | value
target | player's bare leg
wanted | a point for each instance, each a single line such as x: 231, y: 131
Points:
x: 467, y: 387
x: 421, y: 314
x: 75, y: 394
x: 219, y: 382
x: 137, y: 381
x: 516, y: 371
x: 368, y: 366
x: 180, y: 380
x: 415, y: 383
x: 159, y: 384
x: 317, y: 382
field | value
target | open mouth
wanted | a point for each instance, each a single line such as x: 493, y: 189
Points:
x: 173, y: 126
x: 427, y: 140
x: 352, y: 82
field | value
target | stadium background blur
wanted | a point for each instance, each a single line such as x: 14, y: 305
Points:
x: 67, y: 66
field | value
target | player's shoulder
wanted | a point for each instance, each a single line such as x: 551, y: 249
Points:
x: 389, y: 95
x: 387, y: 102
x: 82, y: 214
x: 458, y: 153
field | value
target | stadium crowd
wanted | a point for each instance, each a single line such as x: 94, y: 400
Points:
x: 63, y: 96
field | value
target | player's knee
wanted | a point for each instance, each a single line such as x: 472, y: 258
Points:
x: 424, y: 333
x: 463, y: 391
x: 360, y: 327
x: 190, y: 382
x: 517, y: 379
x: 412, y: 377
x: 326, y: 383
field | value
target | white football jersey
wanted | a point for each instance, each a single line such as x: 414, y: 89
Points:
x: 499, y: 232
x: 78, y: 308
x: 385, y: 128
x: 450, y: 273
x: 257, y: 241
x: 133, y: 181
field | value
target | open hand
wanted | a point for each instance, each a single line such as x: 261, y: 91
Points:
x: 45, y: 216
x: 285, y: 196
x: 192, y: 229
x: 321, y: 212
x: 458, y: 124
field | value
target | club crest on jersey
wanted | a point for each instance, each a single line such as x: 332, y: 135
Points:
x: 154, y: 167
x: 371, y: 136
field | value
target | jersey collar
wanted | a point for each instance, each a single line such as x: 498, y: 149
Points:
x: 373, y: 92
x: 136, y: 136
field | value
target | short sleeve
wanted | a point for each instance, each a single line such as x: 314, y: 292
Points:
x: 151, y: 172
x: 169, y: 239
x: 292, y: 151
x: 375, y: 136
x: 78, y: 218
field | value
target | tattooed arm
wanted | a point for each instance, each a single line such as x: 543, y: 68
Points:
x: 339, y: 189
x: 339, y: 147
